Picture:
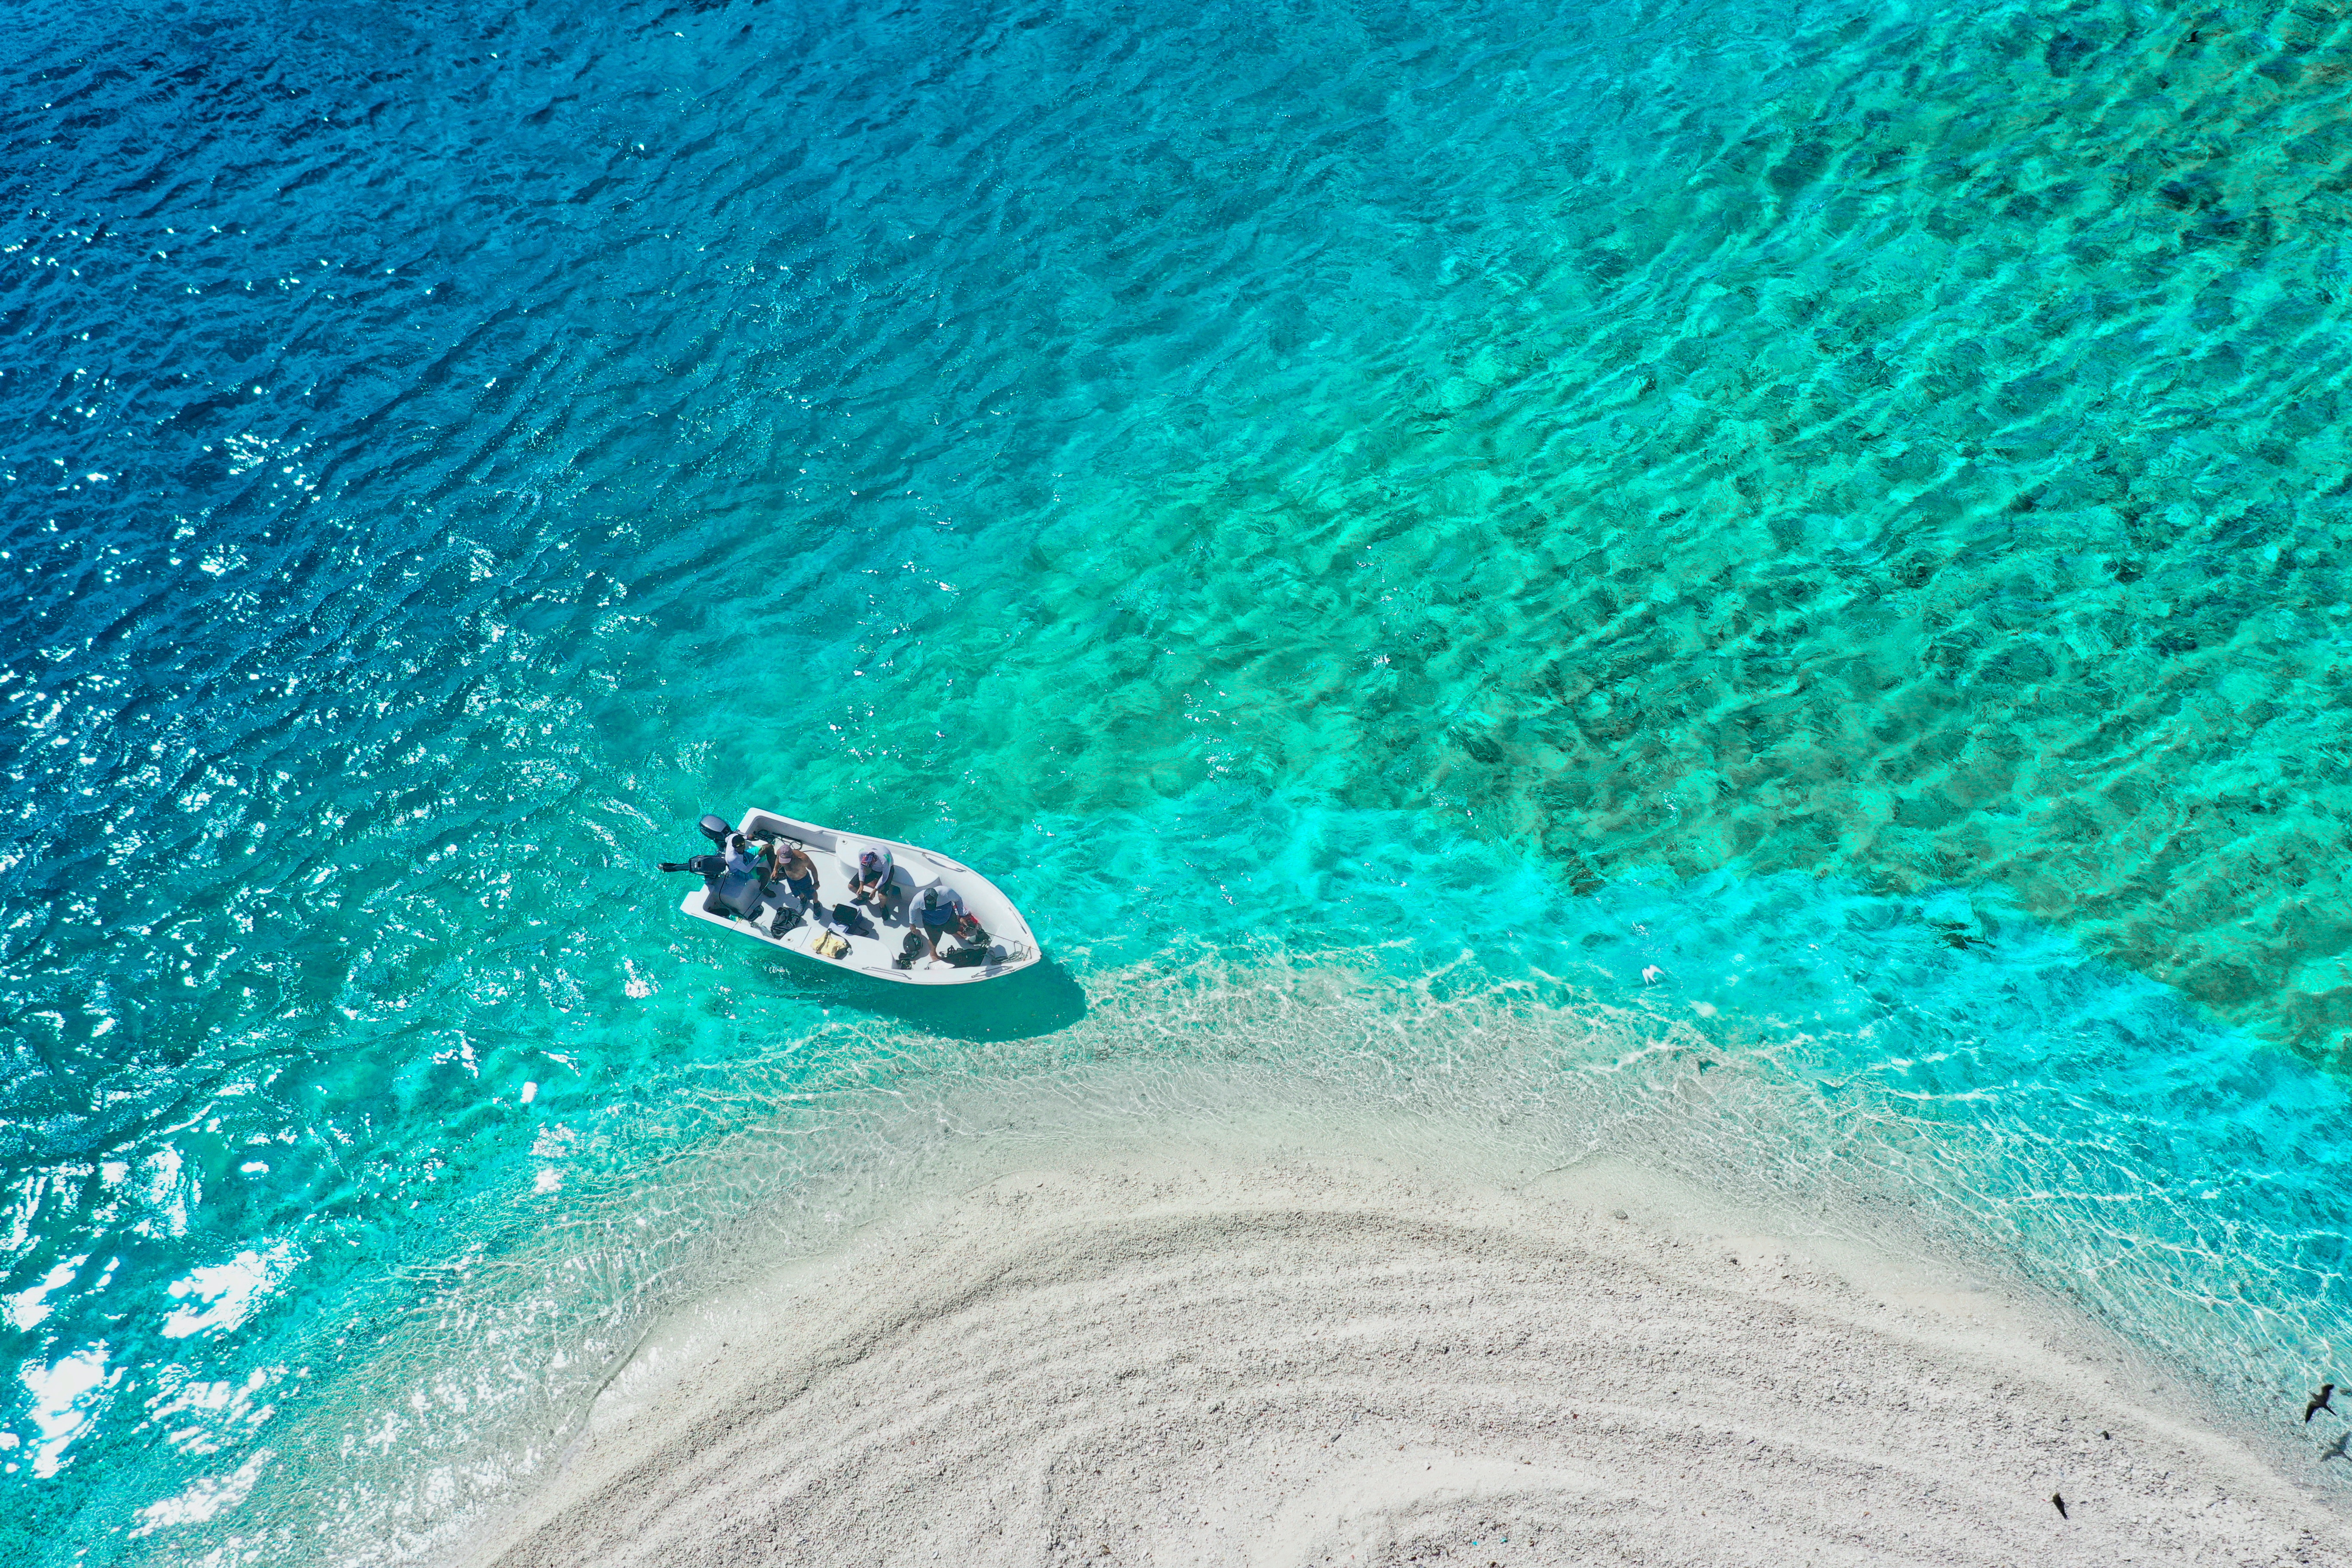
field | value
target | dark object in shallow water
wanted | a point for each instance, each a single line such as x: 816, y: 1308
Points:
x: 2062, y: 1504
x: 1953, y: 934
x: 2319, y: 1402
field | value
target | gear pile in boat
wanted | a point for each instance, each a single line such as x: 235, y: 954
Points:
x: 771, y: 877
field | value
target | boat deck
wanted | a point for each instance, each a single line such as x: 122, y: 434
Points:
x: 1011, y: 945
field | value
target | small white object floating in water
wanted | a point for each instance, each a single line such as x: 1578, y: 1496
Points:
x: 820, y: 939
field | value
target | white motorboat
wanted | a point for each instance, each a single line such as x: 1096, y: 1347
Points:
x: 878, y: 945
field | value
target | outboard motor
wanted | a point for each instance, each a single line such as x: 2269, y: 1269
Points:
x: 715, y: 828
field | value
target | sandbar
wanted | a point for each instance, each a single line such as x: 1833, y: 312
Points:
x: 1267, y: 1356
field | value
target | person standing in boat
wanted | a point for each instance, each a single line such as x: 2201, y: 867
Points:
x: 788, y: 863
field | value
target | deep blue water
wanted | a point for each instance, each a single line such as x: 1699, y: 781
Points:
x: 1760, y: 586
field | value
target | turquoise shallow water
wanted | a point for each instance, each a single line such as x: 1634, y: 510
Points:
x: 1382, y: 526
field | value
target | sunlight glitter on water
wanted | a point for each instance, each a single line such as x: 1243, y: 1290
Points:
x: 1478, y: 567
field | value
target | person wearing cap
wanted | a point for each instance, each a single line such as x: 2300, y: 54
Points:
x: 786, y: 862
x: 872, y: 883
x: 939, y: 912
x: 744, y: 889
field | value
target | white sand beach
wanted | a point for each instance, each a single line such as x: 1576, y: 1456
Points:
x: 1266, y: 1357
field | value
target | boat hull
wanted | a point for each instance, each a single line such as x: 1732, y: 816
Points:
x: 1013, y: 947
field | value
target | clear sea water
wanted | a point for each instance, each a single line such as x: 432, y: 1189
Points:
x: 1761, y: 585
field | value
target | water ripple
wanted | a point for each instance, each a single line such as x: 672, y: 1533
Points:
x: 1705, y: 447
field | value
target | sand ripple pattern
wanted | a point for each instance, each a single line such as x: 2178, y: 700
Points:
x: 1320, y: 1365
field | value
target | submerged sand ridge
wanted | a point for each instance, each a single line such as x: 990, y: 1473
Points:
x: 1275, y: 1360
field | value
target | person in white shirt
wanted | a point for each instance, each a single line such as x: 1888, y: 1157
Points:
x: 936, y: 914
x: 878, y: 885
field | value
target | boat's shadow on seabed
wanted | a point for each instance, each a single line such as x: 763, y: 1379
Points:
x: 1034, y: 1001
